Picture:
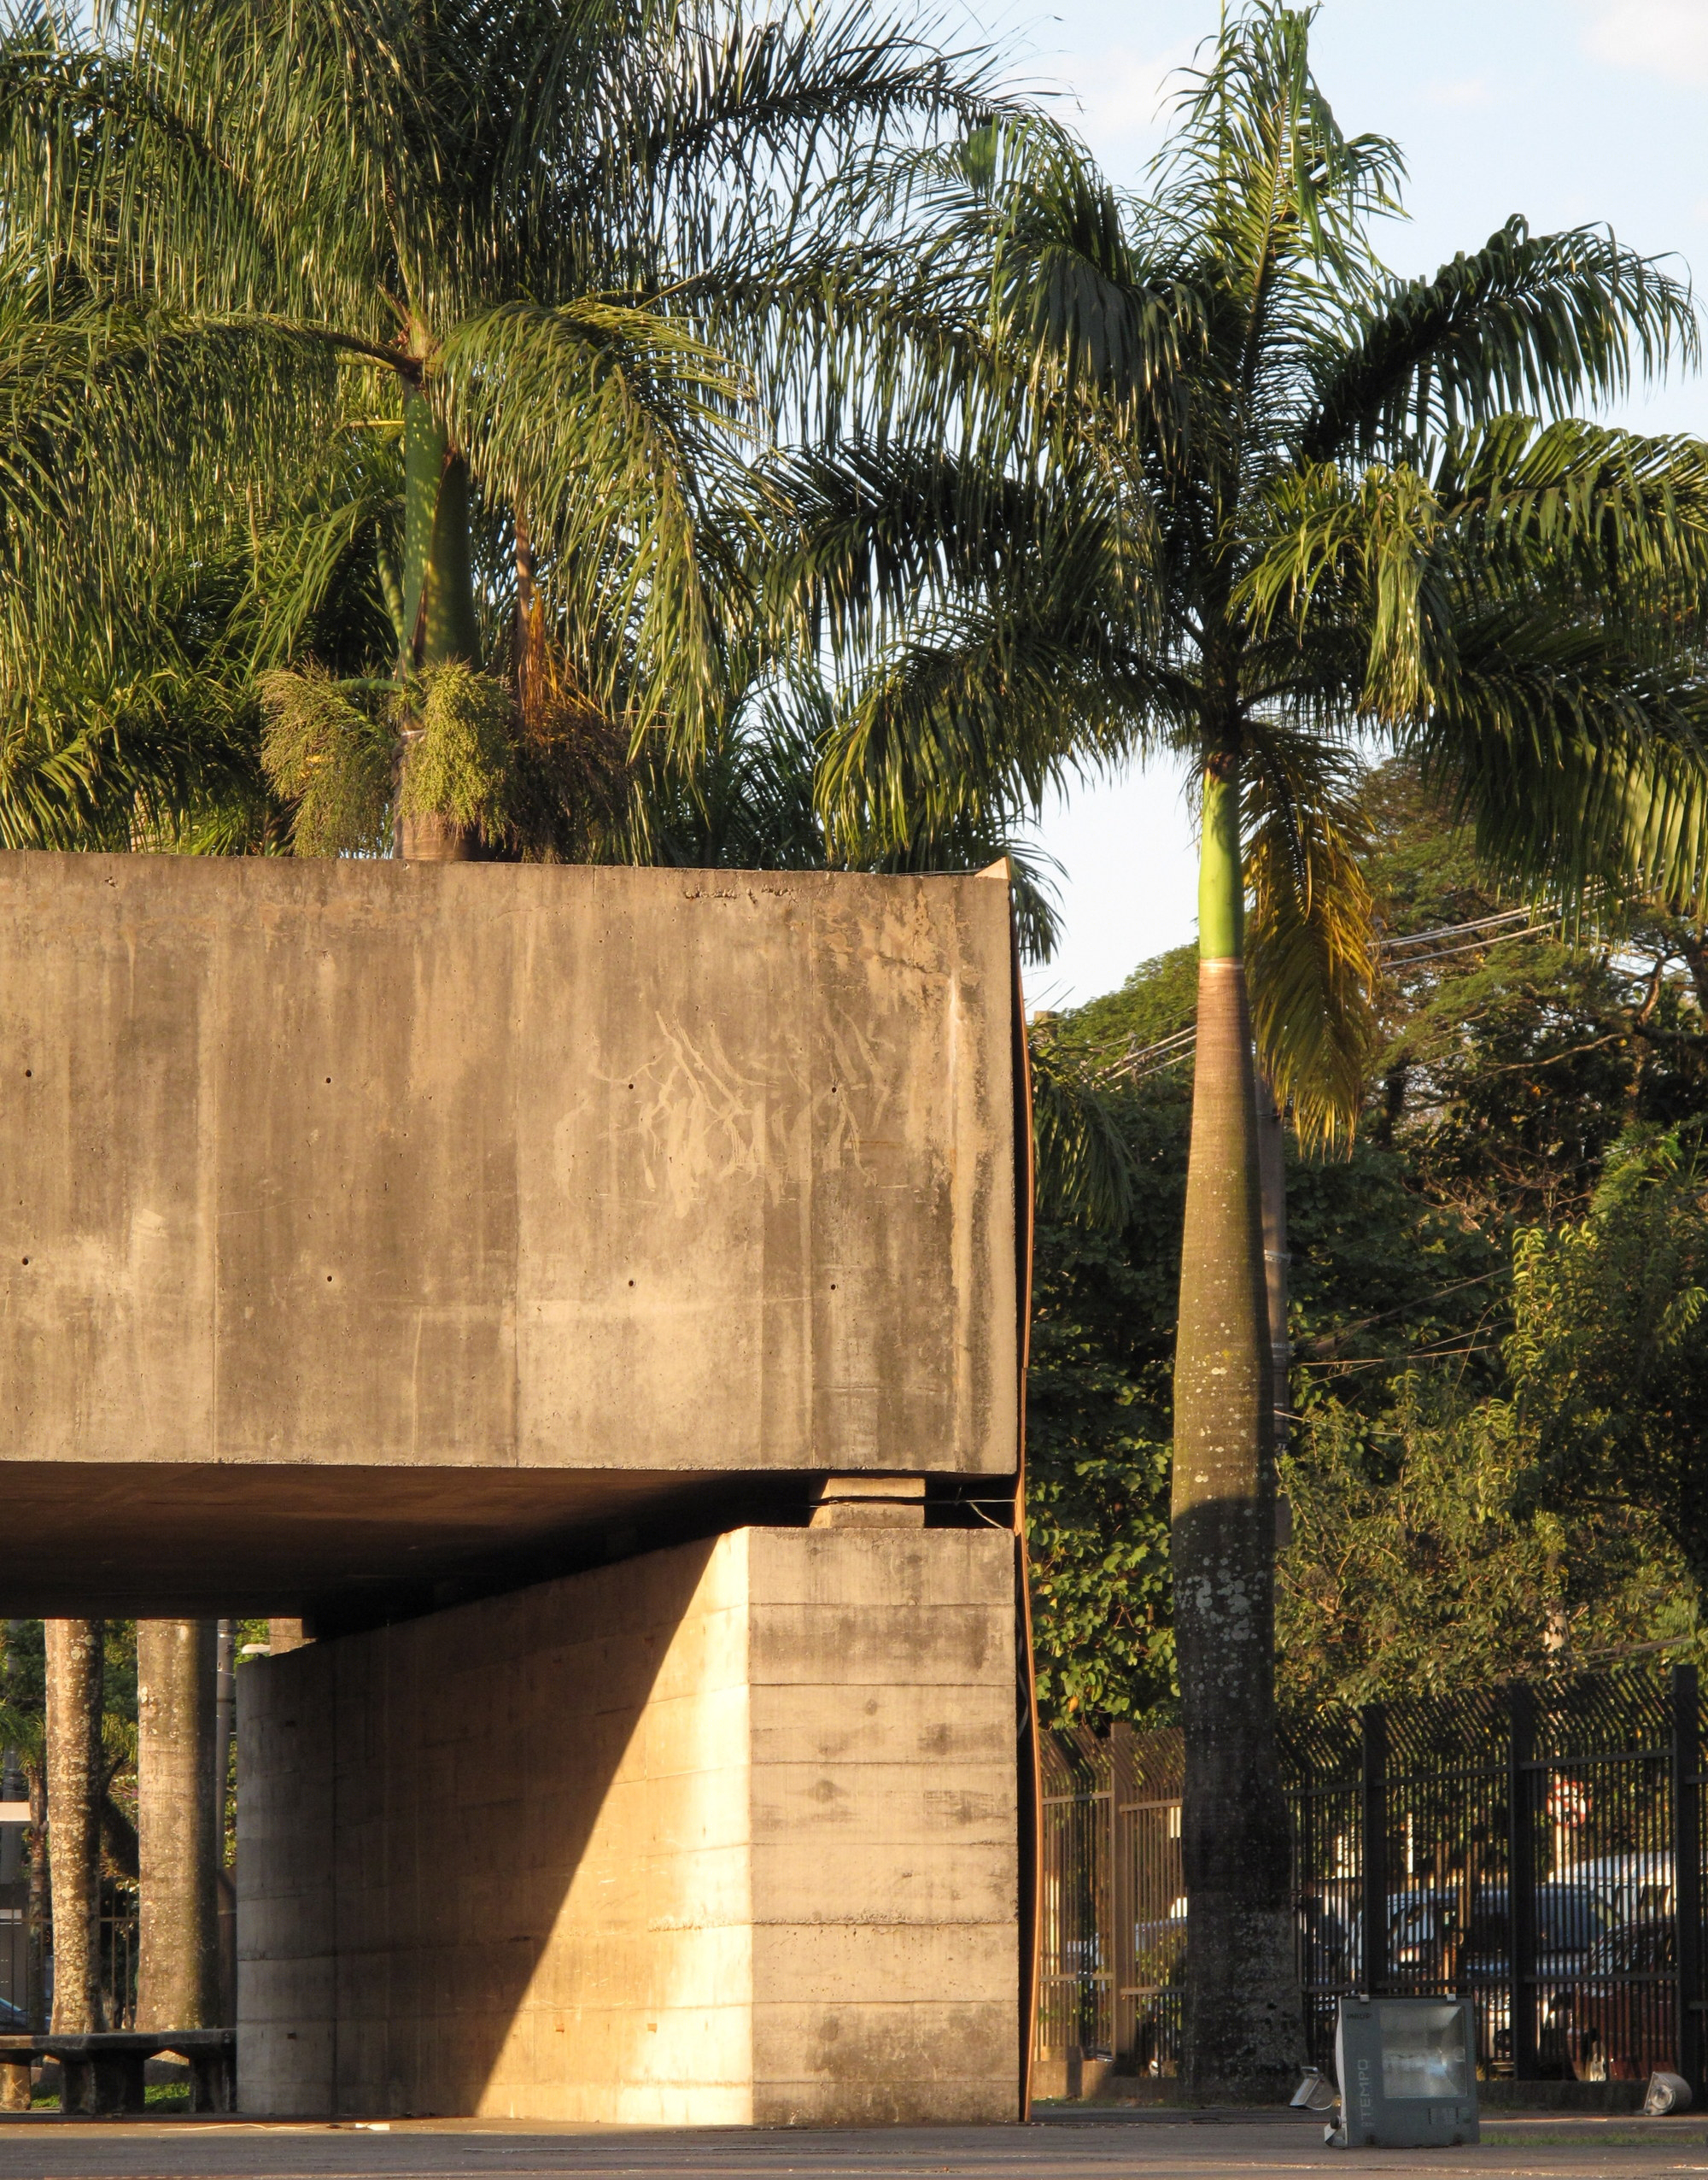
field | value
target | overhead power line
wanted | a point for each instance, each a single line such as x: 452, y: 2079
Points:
x: 1138, y: 1065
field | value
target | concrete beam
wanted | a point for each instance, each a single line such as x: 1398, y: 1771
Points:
x: 349, y: 1203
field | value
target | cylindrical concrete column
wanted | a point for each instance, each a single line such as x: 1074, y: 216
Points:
x: 75, y: 1781
x: 177, y: 1967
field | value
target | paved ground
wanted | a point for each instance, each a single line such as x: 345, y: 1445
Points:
x: 1148, y: 2146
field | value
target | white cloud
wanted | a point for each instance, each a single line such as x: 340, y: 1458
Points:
x: 1668, y: 37
x: 1119, y: 99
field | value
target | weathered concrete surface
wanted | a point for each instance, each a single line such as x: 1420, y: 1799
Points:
x: 726, y: 1833
x: 544, y: 1176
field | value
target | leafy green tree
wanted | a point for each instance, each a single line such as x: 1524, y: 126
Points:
x: 23, y: 1731
x: 1609, y: 1350
x: 1459, y: 1538
x: 1428, y: 1555
x: 517, y: 240
x: 1513, y: 1060
x: 1275, y: 500
x: 1105, y: 1273
x: 1380, y: 1271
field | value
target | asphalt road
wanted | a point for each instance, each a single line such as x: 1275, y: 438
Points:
x: 1174, y: 2147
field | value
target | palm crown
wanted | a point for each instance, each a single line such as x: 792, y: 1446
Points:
x: 1273, y: 501
x: 574, y: 242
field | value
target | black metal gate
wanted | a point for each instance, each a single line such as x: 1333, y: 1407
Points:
x: 1540, y: 1852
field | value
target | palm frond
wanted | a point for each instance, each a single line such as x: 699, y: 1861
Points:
x: 980, y: 712
x: 1261, y: 167
x: 1528, y: 321
x: 611, y: 426
x: 1580, y: 756
x: 1359, y: 550
x: 1615, y: 513
x: 1082, y: 1167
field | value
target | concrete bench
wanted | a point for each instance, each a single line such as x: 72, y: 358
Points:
x: 102, y: 2071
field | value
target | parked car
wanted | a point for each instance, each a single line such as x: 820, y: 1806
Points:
x: 1617, y: 2020
x: 1328, y: 1941
x: 1571, y: 1921
x: 1430, y: 1947
x: 1636, y: 1885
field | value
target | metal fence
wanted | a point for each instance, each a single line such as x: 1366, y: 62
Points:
x: 121, y: 1920
x: 1539, y: 1851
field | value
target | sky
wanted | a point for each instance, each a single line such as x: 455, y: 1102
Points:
x: 1567, y: 111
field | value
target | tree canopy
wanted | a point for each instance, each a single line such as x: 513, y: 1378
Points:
x: 1496, y: 1456
x: 512, y: 291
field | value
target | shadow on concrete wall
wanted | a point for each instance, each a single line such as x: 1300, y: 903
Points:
x: 425, y: 1798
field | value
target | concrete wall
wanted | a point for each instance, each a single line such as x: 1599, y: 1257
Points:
x: 723, y: 1833
x: 477, y: 1165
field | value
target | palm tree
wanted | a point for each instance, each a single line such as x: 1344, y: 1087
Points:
x: 503, y: 244
x: 1267, y: 504
x: 179, y: 1857
x: 76, y: 1777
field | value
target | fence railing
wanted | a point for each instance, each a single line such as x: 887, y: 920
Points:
x: 1539, y: 1851
x: 120, y: 1940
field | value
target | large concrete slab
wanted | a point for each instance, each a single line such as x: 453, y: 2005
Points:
x: 361, y: 1218
x: 725, y: 1834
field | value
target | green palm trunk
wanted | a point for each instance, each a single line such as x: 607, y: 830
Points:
x: 438, y: 600
x: 1244, y: 2025
x: 438, y: 564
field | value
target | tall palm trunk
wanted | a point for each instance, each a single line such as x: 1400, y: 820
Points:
x: 1272, y: 1166
x: 438, y: 596
x: 74, y: 1783
x: 1245, y: 2022
x: 178, y: 1965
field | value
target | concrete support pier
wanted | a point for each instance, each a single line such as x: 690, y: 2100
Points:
x: 722, y: 1834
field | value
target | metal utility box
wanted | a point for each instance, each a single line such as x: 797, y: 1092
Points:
x: 1407, y: 2073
